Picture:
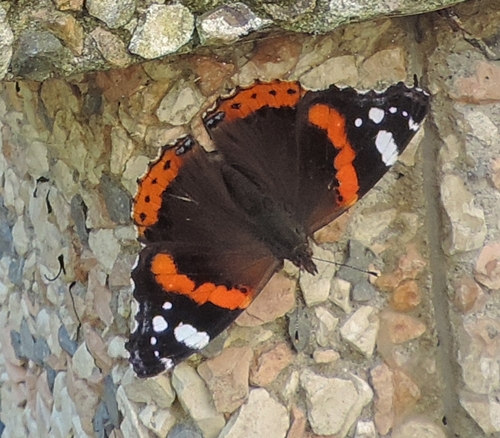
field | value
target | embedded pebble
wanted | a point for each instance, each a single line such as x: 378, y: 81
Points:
x: 363, y: 292
x: 160, y: 421
x: 162, y: 30
x: 226, y: 376
x: 196, y: 400
x: 465, y: 220
x: 361, y: 329
x: 105, y: 246
x: 111, y: 47
x: 316, y: 288
x: 227, y: 23
x: 117, y: 200
x: 401, y: 328
x: 326, y: 327
x: 487, y: 270
x: 260, y: 416
x: 270, y: 364
x: 157, y: 390
x: 114, y: 14
x: 180, y: 104
x: 83, y: 362
x: 334, y: 404
x: 275, y: 300
x: 6, y: 40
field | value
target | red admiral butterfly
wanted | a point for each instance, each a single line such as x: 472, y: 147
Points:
x: 217, y: 225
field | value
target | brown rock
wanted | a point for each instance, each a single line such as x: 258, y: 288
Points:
x: 400, y: 328
x: 69, y: 5
x: 386, y: 65
x: 212, y: 73
x: 227, y: 377
x: 85, y: 399
x: 270, y: 364
x: 298, y: 427
x: 97, y: 348
x: 488, y: 266
x: 482, y: 87
x: 63, y: 26
x: 406, y: 296
x: 276, y: 299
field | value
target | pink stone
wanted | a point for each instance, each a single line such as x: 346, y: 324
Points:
x: 384, y: 401
x: 488, y: 266
x: 298, y: 427
x: 495, y: 172
x: 270, y: 364
x: 400, y: 328
x: 406, y: 392
x: 412, y: 263
x: 483, y: 87
x: 275, y: 300
x: 467, y: 292
x: 97, y: 348
x: 226, y: 376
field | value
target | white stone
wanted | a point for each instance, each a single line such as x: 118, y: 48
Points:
x: 180, y: 104
x: 466, y: 221
x: 365, y: 429
x: 160, y: 421
x: 155, y: 390
x: 105, y: 247
x: 122, y: 147
x: 340, y: 294
x: 197, y: 400
x: 418, y: 428
x: 261, y: 416
x: 361, y: 329
x: 130, y: 426
x: 114, y: 14
x: 83, y: 362
x: 327, y: 325
x: 116, y: 348
x: 19, y: 237
x: 329, y: 403
x: 6, y: 40
x: 316, y: 288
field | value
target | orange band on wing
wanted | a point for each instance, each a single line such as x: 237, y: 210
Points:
x: 147, y: 202
x: 246, y: 101
x: 333, y: 123
x: 166, y: 275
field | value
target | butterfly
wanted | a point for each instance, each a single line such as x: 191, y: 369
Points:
x: 217, y: 225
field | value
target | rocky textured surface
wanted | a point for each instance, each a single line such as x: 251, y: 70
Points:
x: 413, y: 352
x: 42, y: 39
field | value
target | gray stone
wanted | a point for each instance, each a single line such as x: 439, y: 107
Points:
x: 15, y: 340
x: 27, y: 341
x: 291, y: 11
x: 299, y: 328
x: 6, y: 40
x: 363, y: 291
x: 110, y: 401
x: 118, y: 202
x: 180, y: 431
x: 37, y: 55
x: 114, y: 13
x: 359, y: 258
x: 79, y: 216
x: 101, y: 422
x: 41, y: 351
x: 227, y: 23
x: 16, y: 269
x: 65, y: 342
x: 162, y: 30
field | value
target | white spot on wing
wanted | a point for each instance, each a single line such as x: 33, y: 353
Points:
x: 387, y: 147
x: 157, y: 353
x: 159, y: 324
x: 167, y: 363
x: 358, y: 122
x: 405, y: 113
x: 191, y: 337
x: 413, y: 125
x: 153, y: 340
x: 167, y: 305
x: 376, y: 115
x: 393, y: 110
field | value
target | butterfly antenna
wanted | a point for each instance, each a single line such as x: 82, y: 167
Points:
x: 375, y: 274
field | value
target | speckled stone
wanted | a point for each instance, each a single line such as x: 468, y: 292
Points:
x: 6, y: 40
x: 162, y: 30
